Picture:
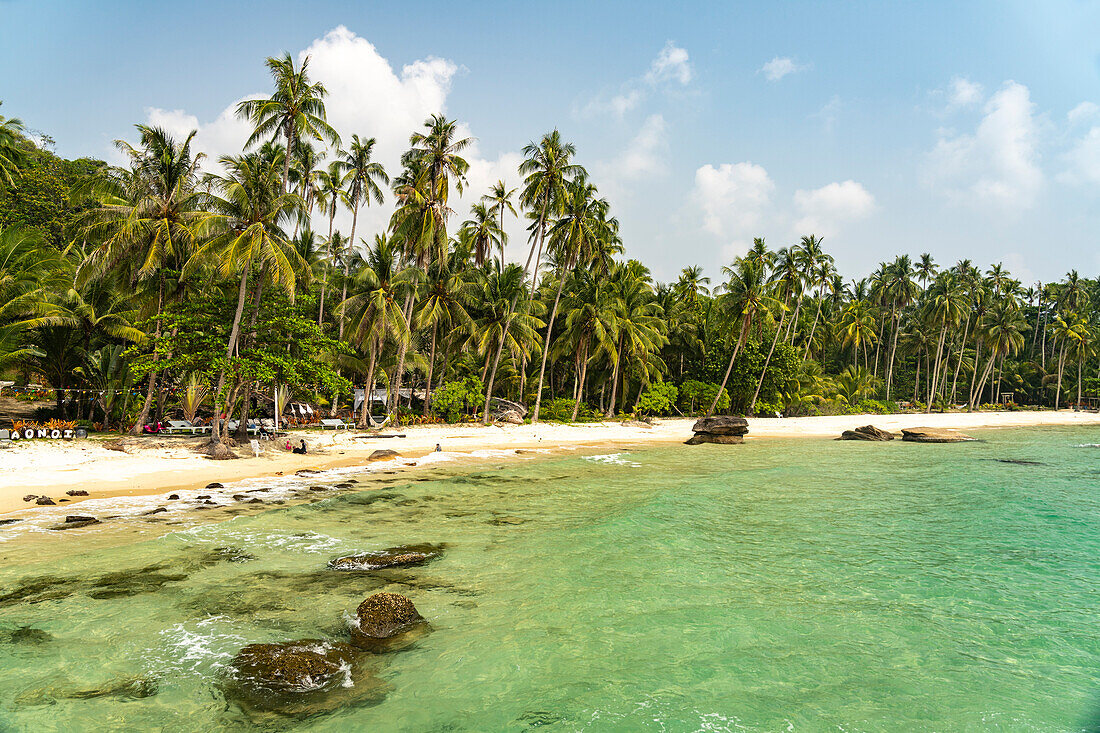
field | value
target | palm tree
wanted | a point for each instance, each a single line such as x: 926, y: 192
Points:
x: 925, y: 269
x: 507, y: 320
x: 746, y: 296
x: 500, y: 200
x: 483, y: 232
x: 817, y: 269
x: 295, y: 110
x: 901, y: 290
x: 857, y: 328
x: 11, y: 151
x: 639, y: 322
x: 361, y: 178
x: 573, y: 241
x: 547, y: 168
x: 945, y: 309
x: 149, y: 216
x: 249, y: 214
x: 330, y: 194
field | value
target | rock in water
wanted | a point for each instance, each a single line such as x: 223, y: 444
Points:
x: 214, y: 485
x: 77, y: 492
x: 867, y: 432
x: 933, y: 435
x: 383, y: 454
x: 391, y: 557
x: 76, y: 520
x: 384, y: 615
x: 298, y: 679
x: 45, y: 501
x: 721, y: 429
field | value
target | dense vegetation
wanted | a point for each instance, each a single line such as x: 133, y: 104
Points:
x: 176, y: 283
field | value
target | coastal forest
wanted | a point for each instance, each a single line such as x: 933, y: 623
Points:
x: 176, y: 284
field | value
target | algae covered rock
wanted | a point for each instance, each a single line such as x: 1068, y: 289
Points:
x: 385, y: 614
x: 391, y: 557
x: 383, y: 454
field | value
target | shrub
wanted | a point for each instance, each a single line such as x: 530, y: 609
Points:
x: 764, y: 408
x: 696, y: 396
x: 458, y: 398
x: 560, y: 409
x: 658, y: 399
x: 874, y: 407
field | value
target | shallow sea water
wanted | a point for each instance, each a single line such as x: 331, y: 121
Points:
x: 778, y: 585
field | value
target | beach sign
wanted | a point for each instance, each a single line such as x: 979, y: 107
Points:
x: 44, y: 433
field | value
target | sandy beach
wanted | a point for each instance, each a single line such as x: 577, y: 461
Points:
x: 157, y: 465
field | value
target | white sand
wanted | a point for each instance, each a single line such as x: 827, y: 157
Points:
x: 52, y: 467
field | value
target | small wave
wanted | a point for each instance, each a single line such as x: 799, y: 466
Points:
x: 197, y: 648
x: 1087, y: 445
x: 614, y: 459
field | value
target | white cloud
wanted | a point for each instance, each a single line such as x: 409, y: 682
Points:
x: 999, y: 163
x: 367, y: 97
x: 732, y: 200
x: 829, y: 113
x: 1082, y: 113
x: 671, y: 64
x: 642, y: 158
x: 781, y: 66
x: 671, y: 68
x: 823, y: 210
x: 963, y: 93
x: 1084, y: 159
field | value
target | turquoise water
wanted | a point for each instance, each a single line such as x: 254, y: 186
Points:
x: 778, y: 585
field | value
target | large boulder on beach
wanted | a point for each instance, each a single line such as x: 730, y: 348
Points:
x: 383, y: 454
x: 867, y: 432
x: 391, y: 557
x: 382, y: 616
x: 933, y: 435
x: 720, y: 429
x: 499, y: 408
x: 511, y: 417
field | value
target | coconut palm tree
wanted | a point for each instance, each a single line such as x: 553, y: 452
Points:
x: 11, y: 151
x: 547, y: 168
x: 817, y: 269
x: 945, y: 307
x: 499, y: 200
x: 746, y: 296
x: 483, y: 232
x: 295, y: 110
x: 362, y: 175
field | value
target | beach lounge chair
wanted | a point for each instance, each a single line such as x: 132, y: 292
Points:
x: 5, y: 438
x: 335, y: 424
x: 180, y: 426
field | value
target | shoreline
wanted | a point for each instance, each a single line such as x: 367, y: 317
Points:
x: 160, y: 465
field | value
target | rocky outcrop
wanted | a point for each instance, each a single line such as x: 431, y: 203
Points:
x: 383, y: 454
x: 76, y: 492
x: 384, y: 615
x: 391, y: 557
x: 867, y: 432
x: 214, y: 485
x: 933, y: 435
x: 294, y: 666
x: 45, y: 501
x: 73, y: 521
x: 720, y: 429
x: 511, y: 417
x: 501, y: 407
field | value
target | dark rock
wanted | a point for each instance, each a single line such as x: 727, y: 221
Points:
x: 298, y: 679
x: 318, y: 488
x: 77, y: 492
x: 214, y: 485
x: 211, y: 503
x: 127, y: 583
x: 867, y: 432
x: 129, y: 688
x: 344, y: 485
x: 204, y: 496
x: 173, y: 497
x: 383, y: 454
x: 158, y: 510
x: 389, y: 558
x: 306, y: 472
x: 240, y: 497
x: 254, y: 500
x: 63, y: 500
x: 9, y: 521
x: 383, y: 615
x: 45, y: 501
x: 24, y: 635
x: 1020, y: 462
x: 721, y: 425
x: 507, y: 520
x: 700, y: 438
x: 30, y: 497
x: 933, y: 435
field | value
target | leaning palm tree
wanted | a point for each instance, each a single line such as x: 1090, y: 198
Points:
x: 250, y: 212
x: 295, y: 110
x: 149, y: 217
x: 746, y: 297
x: 547, y: 168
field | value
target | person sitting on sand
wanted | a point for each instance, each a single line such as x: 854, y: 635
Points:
x: 438, y: 448
x: 299, y: 451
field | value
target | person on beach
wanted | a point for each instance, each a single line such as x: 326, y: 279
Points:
x: 300, y: 451
x: 438, y: 448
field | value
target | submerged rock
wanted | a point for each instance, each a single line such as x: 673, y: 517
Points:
x: 383, y: 454
x: 721, y: 429
x: 173, y: 497
x: 74, y: 521
x: 24, y: 635
x: 867, y: 432
x: 158, y: 510
x: 127, y: 688
x: 933, y: 435
x: 9, y: 521
x: 384, y: 615
x: 214, y: 485
x: 391, y: 557
x: 299, y: 679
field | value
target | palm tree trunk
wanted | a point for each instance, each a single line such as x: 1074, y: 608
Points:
x: 962, y: 352
x: 324, y: 280
x: 144, y: 417
x: 1061, y: 366
x: 615, y: 381
x: 364, y: 417
x: 893, y: 352
x: 740, y: 341
x: 546, y: 348
x: 580, y: 384
x: 813, y: 328
x: 936, y: 368
x: 431, y: 365
x: 347, y: 257
x: 767, y: 361
x: 402, y: 349
x: 234, y: 334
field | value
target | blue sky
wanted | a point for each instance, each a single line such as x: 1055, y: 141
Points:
x: 965, y: 130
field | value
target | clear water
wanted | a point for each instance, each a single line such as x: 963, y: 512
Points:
x: 778, y: 585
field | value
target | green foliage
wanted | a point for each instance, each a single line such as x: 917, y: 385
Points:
x: 764, y: 408
x: 458, y: 398
x: 781, y: 376
x: 658, y: 399
x: 40, y: 197
x: 696, y: 397
x: 874, y: 407
x: 560, y: 409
